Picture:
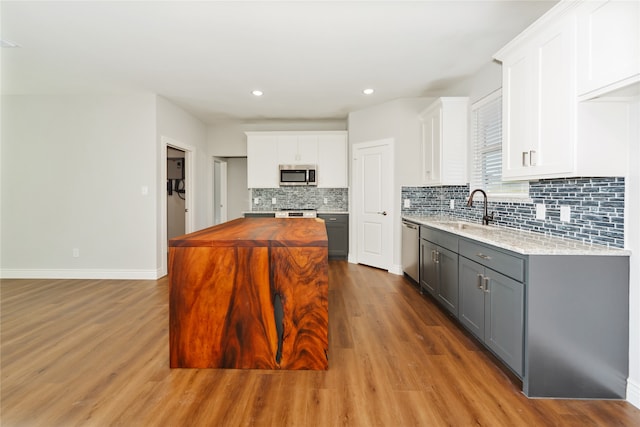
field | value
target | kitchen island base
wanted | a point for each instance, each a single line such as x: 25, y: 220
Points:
x: 250, y: 294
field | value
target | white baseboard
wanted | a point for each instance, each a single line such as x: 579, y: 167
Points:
x: 8, y: 273
x: 396, y: 269
x: 633, y: 392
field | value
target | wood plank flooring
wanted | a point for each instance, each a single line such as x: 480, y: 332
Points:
x: 95, y: 353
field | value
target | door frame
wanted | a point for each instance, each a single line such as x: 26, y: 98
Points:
x: 189, y: 186
x: 357, y: 193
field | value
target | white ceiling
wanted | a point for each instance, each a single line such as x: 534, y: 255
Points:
x: 311, y: 59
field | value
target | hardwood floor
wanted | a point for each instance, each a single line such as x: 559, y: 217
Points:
x: 95, y: 353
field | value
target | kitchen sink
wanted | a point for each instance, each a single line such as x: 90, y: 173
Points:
x: 463, y: 225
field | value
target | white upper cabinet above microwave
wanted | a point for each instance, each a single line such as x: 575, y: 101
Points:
x: 608, y: 46
x: 298, y: 149
x: 325, y: 149
x: 444, y: 142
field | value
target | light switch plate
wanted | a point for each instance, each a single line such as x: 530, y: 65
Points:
x: 452, y: 204
x: 565, y: 213
x: 407, y: 203
x: 273, y: 201
x: 541, y: 211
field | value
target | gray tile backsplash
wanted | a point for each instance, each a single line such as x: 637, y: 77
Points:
x: 301, y: 198
x: 597, y: 208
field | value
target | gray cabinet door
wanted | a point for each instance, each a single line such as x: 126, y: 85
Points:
x: 337, y: 234
x: 428, y: 271
x: 504, y: 318
x: 447, y: 264
x: 472, y: 305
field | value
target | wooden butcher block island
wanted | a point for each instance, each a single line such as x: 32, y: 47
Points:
x: 250, y: 293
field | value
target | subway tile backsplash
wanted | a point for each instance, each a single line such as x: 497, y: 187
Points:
x: 301, y: 198
x: 596, y: 204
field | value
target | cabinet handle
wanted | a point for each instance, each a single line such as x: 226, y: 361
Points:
x: 483, y: 256
x: 480, y: 278
x: 486, y: 284
x: 525, y: 160
x: 433, y: 256
x: 437, y: 257
x: 533, y: 158
x: 332, y: 219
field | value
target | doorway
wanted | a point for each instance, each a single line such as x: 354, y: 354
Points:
x: 186, y: 190
x: 374, y: 214
x: 176, y: 192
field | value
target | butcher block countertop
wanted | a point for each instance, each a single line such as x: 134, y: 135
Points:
x: 251, y: 293
x: 254, y: 232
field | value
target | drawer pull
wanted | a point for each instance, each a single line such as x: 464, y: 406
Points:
x: 335, y: 219
x: 483, y: 256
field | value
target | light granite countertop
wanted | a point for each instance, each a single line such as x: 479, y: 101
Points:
x: 520, y: 241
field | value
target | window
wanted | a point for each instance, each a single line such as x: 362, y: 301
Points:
x: 486, y: 145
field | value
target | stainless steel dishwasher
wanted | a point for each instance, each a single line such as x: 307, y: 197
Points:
x: 410, y: 250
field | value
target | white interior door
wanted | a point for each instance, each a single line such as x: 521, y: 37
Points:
x: 219, y: 190
x: 373, y: 181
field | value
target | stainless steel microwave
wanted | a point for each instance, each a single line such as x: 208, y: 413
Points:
x: 298, y: 175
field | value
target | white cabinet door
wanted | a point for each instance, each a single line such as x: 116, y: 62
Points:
x: 608, y: 45
x: 298, y: 149
x: 444, y: 142
x: 431, y: 145
x: 332, y: 161
x: 539, y: 106
x: 308, y: 149
x: 262, y: 161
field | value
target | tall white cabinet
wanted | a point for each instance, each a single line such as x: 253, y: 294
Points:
x: 325, y: 149
x: 444, y: 142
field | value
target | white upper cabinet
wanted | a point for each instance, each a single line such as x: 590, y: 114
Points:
x: 297, y: 149
x: 539, y: 104
x: 547, y: 132
x: 444, y: 142
x: 262, y: 160
x: 332, y: 160
x: 325, y: 149
x: 608, y: 46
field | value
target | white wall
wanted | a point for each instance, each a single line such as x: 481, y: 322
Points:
x: 398, y: 120
x: 238, y: 194
x: 73, y: 168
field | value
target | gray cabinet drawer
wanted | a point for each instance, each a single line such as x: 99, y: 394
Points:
x: 509, y: 265
x: 440, y: 238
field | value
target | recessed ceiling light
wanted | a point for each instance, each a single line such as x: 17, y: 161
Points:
x: 257, y: 92
x: 368, y: 91
x: 7, y: 43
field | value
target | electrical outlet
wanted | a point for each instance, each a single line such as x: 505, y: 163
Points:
x: 407, y: 203
x: 273, y: 201
x: 256, y: 200
x: 326, y: 200
x: 541, y: 211
x: 565, y: 213
x: 452, y: 204
x: 76, y: 252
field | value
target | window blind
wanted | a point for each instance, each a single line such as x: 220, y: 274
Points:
x: 486, y: 137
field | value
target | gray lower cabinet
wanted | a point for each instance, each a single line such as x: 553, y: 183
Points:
x: 492, y: 308
x: 439, y: 267
x: 338, y: 234
x: 559, y: 321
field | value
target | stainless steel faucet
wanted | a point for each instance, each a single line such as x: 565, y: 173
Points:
x: 486, y: 217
